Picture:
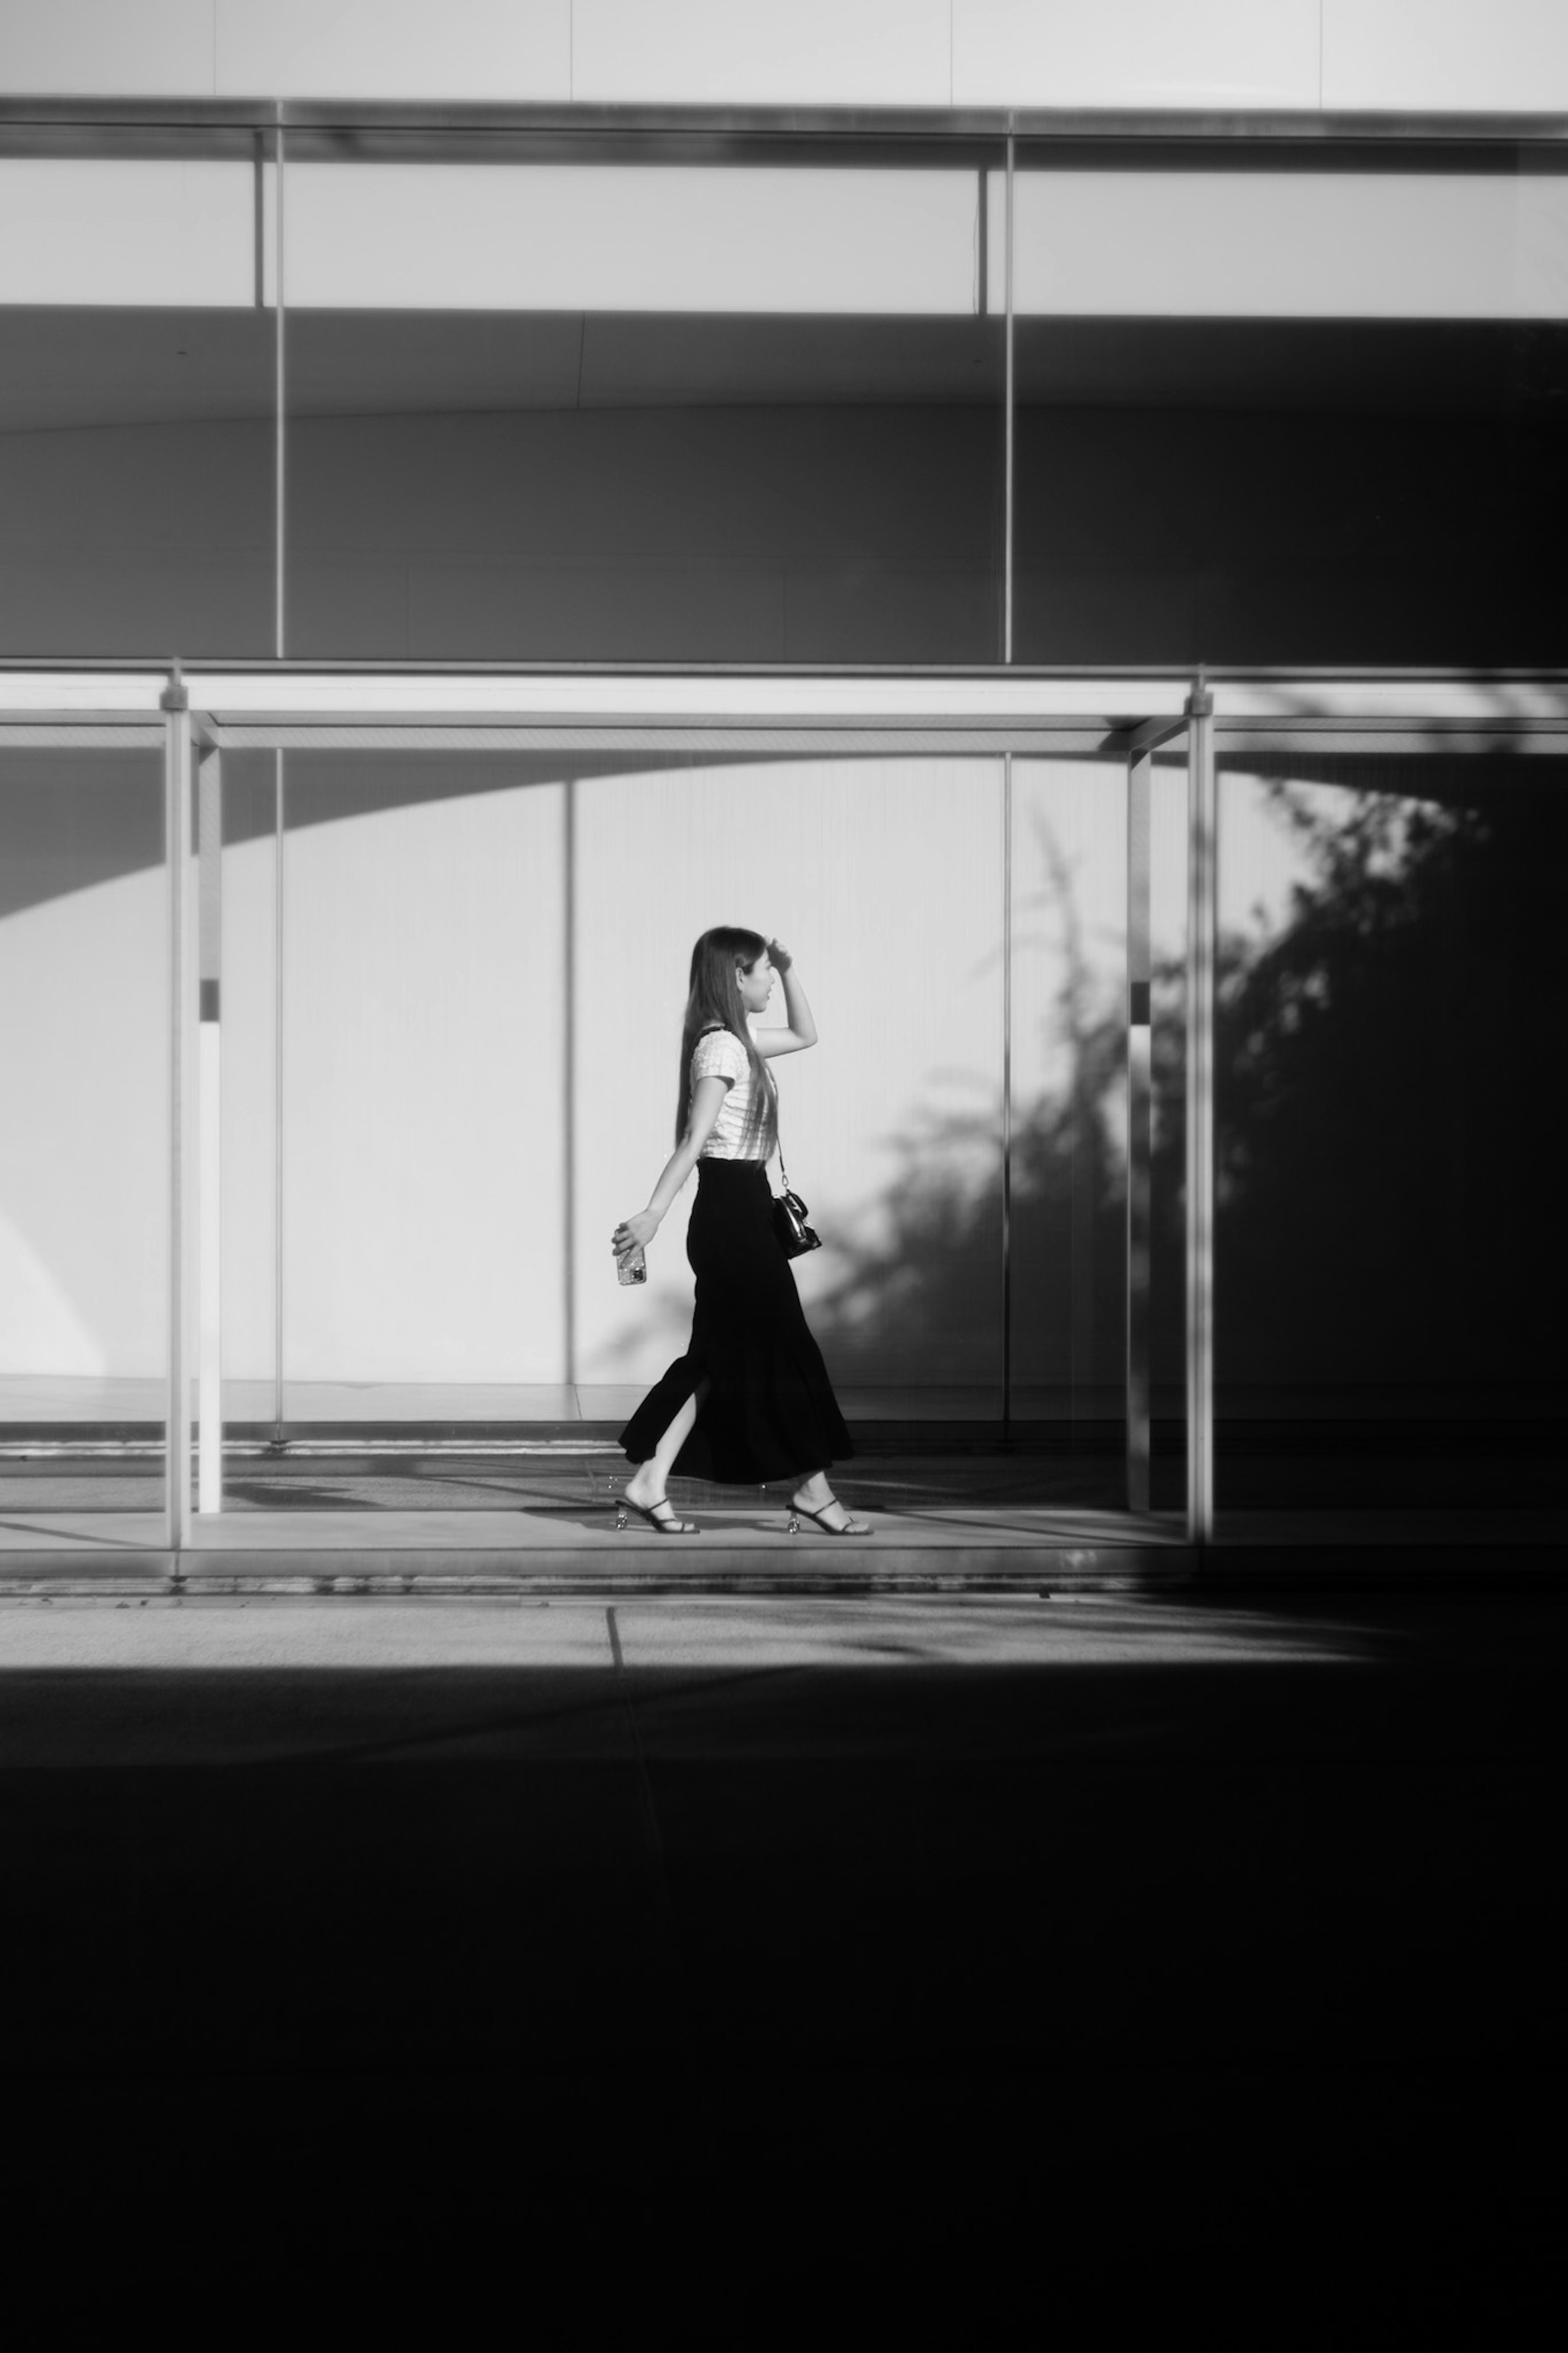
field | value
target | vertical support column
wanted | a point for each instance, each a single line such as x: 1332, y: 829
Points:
x: 280, y: 643
x: 1140, y: 1122
x: 209, y: 1089
x: 177, y: 755
x: 1202, y: 858
x: 569, y: 1086
x: 277, y: 1040
x: 1006, y: 1097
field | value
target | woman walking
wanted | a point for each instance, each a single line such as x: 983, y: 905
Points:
x: 751, y: 1399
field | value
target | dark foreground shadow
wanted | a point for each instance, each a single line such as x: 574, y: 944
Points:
x: 1196, y: 1929
x: 1303, y: 1828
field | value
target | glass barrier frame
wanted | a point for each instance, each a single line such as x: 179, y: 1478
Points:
x: 201, y: 715
x: 105, y: 724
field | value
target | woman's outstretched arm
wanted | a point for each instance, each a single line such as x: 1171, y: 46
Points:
x: 707, y: 1100
x: 801, y: 1030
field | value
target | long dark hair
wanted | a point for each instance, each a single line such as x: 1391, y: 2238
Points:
x: 713, y: 1001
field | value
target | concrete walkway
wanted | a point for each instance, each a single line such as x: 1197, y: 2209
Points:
x: 861, y: 1636
x: 541, y: 1516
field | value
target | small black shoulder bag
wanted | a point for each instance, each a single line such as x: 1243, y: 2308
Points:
x: 796, y: 1237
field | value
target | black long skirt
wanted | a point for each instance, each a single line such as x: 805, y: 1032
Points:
x: 769, y: 1410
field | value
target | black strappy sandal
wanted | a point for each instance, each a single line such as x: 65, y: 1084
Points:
x: 795, y: 1510
x: 671, y: 1527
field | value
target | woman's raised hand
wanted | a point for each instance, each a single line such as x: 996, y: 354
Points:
x: 635, y: 1233
x: 780, y: 955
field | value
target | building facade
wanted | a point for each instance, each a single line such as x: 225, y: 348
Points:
x: 1054, y: 513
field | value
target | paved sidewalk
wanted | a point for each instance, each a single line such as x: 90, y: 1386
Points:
x: 853, y: 1635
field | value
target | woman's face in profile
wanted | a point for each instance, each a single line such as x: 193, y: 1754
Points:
x: 756, y: 985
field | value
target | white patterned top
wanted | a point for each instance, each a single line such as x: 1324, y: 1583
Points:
x: 718, y: 1054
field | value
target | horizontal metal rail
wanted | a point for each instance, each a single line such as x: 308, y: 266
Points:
x: 933, y: 126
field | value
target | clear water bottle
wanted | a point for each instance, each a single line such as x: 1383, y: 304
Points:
x: 633, y: 1267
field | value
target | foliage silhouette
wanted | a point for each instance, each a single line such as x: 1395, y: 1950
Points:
x: 1387, y: 1173
x: 1388, y: 1197
x: 929, y: 1294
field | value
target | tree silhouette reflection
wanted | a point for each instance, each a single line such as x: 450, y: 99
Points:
x: 1388, y: 1233
x: 1390, y: 1265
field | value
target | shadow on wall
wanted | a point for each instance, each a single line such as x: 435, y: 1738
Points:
x: 933, y: 1276
x: 1389, y: 1210
x: 913, y: 1296
x: 1389, y: 1182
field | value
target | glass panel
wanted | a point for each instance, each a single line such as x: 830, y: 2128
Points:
x: 641, y: 409
x: 1392, y: 1274
x: 423, y: 1033
x: 752, y: 240
x: 890, y: 1127
x: 482, y: 1006
x: 248, y: 1094
x: 1071, y: 1129
x: 1298, y: 409
x: 1174, y: 241
x: 137, y: 373
x: 84, y: 1164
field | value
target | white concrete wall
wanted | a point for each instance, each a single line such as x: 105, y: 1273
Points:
x: 1437, y: 55
x: 83, y: 1160
x: 426, y: 1076
x: 426, y: 1084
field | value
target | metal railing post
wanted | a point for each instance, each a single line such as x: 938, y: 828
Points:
x: 1140, y: 1124
x: 177, y: 754
x: 1008, y: 1098
x: 277, y: 1106
x: 1202, y: 927
x: 209, y: 1158
x: 279, y: 644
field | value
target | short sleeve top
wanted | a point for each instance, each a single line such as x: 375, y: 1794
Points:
x: 718, y: 1054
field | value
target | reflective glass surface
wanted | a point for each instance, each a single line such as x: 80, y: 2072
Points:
x: 84, y: 1160
x: 608, y: 409
x: 480, y: 1002
x: 1296, y: 407
x: 1391, y: 1271
x: 137, y: 396
x: 481, y: 1005
x: 1072, y: 1138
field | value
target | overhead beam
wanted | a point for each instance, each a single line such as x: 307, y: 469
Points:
x: 1150, y: 733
